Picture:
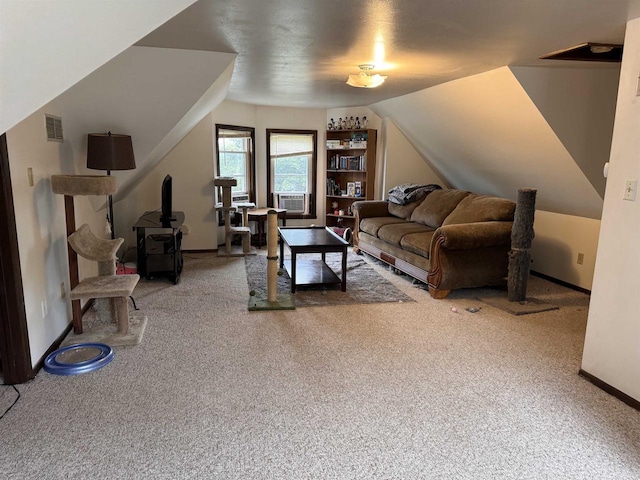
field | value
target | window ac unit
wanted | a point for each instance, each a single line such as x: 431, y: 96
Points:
x: 239, y: 197
x: 293, y: 202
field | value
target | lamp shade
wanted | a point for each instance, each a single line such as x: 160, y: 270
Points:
x: 110, y: 151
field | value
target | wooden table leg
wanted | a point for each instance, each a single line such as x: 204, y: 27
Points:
x: 293, y: 272
x: 344, y: 270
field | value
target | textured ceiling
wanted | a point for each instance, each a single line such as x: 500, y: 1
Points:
x: 300, y: 52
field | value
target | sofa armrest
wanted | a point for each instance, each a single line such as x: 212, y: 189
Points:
x: 468, y: 255
x: 370, y: 208
x: 466, y: 236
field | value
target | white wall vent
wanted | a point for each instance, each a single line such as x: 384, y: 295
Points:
x: 293, y: 202
x: 53, y: 126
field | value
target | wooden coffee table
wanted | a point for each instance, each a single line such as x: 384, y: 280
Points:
x: 312, y: 240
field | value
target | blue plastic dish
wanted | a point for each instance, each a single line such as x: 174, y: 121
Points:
x: 54, y: 362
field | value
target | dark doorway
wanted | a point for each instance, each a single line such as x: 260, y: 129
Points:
x: 14, y: 339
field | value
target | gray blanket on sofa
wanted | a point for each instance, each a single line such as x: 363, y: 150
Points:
x: 410, y: 192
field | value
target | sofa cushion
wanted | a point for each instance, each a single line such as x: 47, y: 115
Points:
x: 373, y: 224
x: 481, y: 208
x: 403, y: 211
x: 393, y: 233
x: 418, y: 243
x: 437, y: 206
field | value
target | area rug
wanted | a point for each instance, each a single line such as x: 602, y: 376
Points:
x: 364, y: 284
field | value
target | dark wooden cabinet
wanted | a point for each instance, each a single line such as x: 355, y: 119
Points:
x: 159, y: 245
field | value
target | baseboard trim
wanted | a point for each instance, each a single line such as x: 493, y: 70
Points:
x: 561, y: 282
x: 56, y: 343
x: 632, y: 402
x: 54, y: 346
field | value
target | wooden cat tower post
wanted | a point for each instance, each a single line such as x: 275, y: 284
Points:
x: 226, y: 207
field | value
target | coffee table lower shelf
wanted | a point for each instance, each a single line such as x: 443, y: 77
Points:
x: 312, y: 272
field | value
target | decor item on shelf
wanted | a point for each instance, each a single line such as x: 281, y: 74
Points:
x: 365, y: 79
x: 110, y: 151
x: 357, y: 123
x: 364, y: 122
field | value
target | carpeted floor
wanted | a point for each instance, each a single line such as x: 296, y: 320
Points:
x: 364, y: 283
x: 407, y: 390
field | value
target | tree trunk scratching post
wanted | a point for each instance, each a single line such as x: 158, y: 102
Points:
x: 521, y: 237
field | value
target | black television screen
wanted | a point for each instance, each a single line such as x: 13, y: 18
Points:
x: 166, y: 198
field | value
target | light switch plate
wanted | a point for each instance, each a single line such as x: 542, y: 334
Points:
x: 630, y: 189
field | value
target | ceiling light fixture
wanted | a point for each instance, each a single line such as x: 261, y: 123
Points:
x: 364, y: 79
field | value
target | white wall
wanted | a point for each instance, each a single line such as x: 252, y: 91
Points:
x: 41, y: 226
x: 42, y: 57
x: 402, y: 162
x: 612, y: 343
x: 191, y: 168
x: 484, y: 134
x: 558, y: 241
x: 143, y: 92
x: 191, y: 165
x: 580, y: 107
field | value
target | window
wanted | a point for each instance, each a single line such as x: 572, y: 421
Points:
x: 235, y: 157
x: 291, y: 163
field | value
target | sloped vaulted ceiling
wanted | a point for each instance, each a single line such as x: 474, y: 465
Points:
x: 485, y: 134
x: 47, y: 46
x: 156, y: 95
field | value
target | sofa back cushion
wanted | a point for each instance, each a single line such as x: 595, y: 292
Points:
x: 481, y: 208
x: 403, y: 211
x: 437, y: 206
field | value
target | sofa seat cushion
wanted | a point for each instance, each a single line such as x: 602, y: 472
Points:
x: 373, y: 224
x: 437, y: 206
x: 418, y: 243
x: 366, y: 241
x: 481, y: 208
x: 394, y: 233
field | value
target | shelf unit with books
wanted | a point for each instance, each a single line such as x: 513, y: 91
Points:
x: 351, y: 166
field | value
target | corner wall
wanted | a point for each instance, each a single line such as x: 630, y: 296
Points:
x: 191, y: 164
x: 612, y: 343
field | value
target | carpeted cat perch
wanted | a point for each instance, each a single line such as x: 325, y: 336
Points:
x: 522, y: 235
x: 110, y: 291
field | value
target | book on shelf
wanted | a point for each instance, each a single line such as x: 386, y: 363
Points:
x: 358, y: 189
x: 348, y: 162
x: 351, y: 189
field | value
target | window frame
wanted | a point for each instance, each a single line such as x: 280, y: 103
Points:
x: 313, y: 173
x: 251, y: 163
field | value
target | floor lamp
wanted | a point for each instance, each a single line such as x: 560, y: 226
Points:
x: 110, y: 151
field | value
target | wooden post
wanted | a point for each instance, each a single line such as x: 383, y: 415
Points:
x: 521, y: 237
x: 272, y: 256
x: 74, y: 278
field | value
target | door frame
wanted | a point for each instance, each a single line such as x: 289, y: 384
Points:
x: 14, y: 336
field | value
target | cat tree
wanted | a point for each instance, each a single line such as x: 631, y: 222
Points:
x: 110, y: 291
x: 224, y: 185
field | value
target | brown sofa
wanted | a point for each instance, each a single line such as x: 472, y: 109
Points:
x: 449, y: 239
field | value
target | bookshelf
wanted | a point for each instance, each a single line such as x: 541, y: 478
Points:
x: 351, y: 166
